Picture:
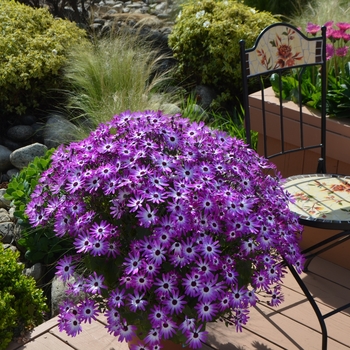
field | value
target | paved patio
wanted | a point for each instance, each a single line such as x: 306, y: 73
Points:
x: 291, y: 326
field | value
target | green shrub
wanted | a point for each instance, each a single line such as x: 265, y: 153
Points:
x: 40, y: 244
x: 33, y: 47
x: 22, y: 304
x: 285, y: 8
x: 205, y: 41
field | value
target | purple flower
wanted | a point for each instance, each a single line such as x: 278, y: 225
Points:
x: 164, y: 217
x: 195, y: 337
x: 65, y: 268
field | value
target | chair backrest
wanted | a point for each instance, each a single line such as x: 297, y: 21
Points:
x: 281, y: 49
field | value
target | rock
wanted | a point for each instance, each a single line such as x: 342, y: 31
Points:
x: 7, y: 232
x: 20, y: 132
x: 11, y: 213
x: 5, y: 163
x: 38, y: 131
x: 170, y: 108
x: 12, y: 172
x: 4, y: 215
x: 11, y: 144
x: 10, y: 246
x: 4, y: 203
x: 58, y: 130
x: 28, y: 119
x: 204, y: 95
x: 36, y: 271
x: 58, y: 294
x: 21, y: 157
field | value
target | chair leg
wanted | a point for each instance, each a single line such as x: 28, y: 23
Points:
x: 311, y: 300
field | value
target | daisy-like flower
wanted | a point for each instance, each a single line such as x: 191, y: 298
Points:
x: 100, y: 230
x: 71, y: 324
x: 147, y: 216
x: 166, y: 285
x: 116, y: 298
x: 167, y: 328
x: 65, y: 268
x: 175, y: 303
x: 276, y: 296
x: 88, y: 310
x: 206, y: 310
x: 132, y: 263
x: 126, y: 332
x: 94, y: 284
x: 157, y: 315
x: 137, y: 302
x: 312, y: 28
x: 195, y: 337
x: 192, y: 284
x: 152, y: 337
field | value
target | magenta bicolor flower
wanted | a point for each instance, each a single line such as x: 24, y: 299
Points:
x: 329, y: 51
x: 312, y: 28
x: 342, y: 51
x: 343, y: 26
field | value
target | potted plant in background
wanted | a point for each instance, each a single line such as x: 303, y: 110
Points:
x: 173, y: 225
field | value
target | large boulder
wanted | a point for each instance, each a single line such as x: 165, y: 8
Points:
x: 58, y: 130
x: 21, y: 157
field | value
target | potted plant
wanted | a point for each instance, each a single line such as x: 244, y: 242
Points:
x: 172, y: 225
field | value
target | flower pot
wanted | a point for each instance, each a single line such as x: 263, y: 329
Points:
x: 167, y: 344
x: 338, y: 136
x: 337, y: 161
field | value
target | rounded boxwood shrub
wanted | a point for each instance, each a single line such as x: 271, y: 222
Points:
x: 22, y: 304
x: 205, y: 41
x: 33, y: 48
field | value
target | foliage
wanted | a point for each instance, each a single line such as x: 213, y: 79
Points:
x: 98, y: 89
x: 232, y: 124
x: 33, y: 49
x: 58, y: 8
x: 321, y: 11
x: 205, y: 41
x: 174, y: 225
x: 286, y: 8
x: 22, y: 304
x: 338, y: 74
x: 40, y: 244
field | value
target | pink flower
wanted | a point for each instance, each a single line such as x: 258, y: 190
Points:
x: 342, y: 51
x: 336, y: 34
x: 329, y: 24
x: 312, y: 28
x: 343, y: 26
x: 329, y: 51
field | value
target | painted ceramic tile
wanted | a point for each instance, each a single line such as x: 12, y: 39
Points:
x: 281, y: 47
x: 320, y: 197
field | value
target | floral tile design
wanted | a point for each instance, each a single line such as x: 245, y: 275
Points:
x: 280, y: 47
x: 320, y: 197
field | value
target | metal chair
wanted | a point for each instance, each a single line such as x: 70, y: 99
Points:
x: 279, y: 49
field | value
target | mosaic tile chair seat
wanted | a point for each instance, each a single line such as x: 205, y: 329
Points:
x: 321, y: 200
